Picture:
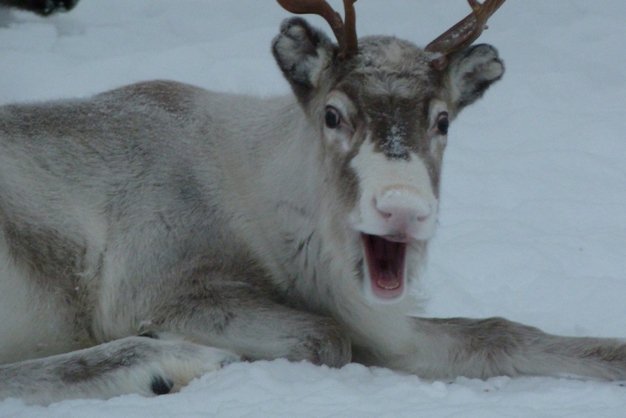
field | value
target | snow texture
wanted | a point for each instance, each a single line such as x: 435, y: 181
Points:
x: 533, y: 214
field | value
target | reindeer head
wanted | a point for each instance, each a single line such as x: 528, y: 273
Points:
x: 382, y: 107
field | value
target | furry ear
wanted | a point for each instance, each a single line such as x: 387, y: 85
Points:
x: 302, y: 52
x: 470, y: 73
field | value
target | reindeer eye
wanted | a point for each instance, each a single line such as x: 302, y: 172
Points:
x: 443, y: 123
x: 332, y: 118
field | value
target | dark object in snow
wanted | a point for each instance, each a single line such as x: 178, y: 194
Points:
x: 161, y: 386
x: 41, y: 7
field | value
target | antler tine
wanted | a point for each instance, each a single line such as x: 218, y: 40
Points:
x: 350, y: 37
x: 345, y: 33
x: 467, y: 30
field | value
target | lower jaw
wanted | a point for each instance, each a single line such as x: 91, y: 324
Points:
x: 387, y: 295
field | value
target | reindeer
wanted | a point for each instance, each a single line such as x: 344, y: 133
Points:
x: 159, y: 231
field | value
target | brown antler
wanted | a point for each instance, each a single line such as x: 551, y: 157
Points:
x: 344, y: 32
x: 465, y: 32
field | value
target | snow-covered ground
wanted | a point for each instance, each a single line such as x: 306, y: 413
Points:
x: 533, y: 219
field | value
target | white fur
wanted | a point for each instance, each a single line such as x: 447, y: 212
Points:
x: 34, y: 322
x: 401, y: 186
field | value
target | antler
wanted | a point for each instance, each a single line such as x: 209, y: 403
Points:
x: 344, y: 32
x: 465, y: 32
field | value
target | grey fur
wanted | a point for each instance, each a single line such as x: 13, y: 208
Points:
x: 166, y: 210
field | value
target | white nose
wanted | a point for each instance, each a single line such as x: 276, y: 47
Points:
x: 402, y: 208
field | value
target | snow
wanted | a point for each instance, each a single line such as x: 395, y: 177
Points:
x: 533, y: 214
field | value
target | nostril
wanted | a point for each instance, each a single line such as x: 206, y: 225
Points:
x: 384, y: 214
x: 382, y: 211
x: 403, y: 214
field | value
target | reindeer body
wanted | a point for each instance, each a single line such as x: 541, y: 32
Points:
x: 149, y: 168
x: 226, y: 226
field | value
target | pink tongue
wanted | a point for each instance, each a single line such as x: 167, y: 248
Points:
x: 387, y: 280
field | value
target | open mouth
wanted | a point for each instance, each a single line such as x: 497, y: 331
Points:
x: 385, y: 262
